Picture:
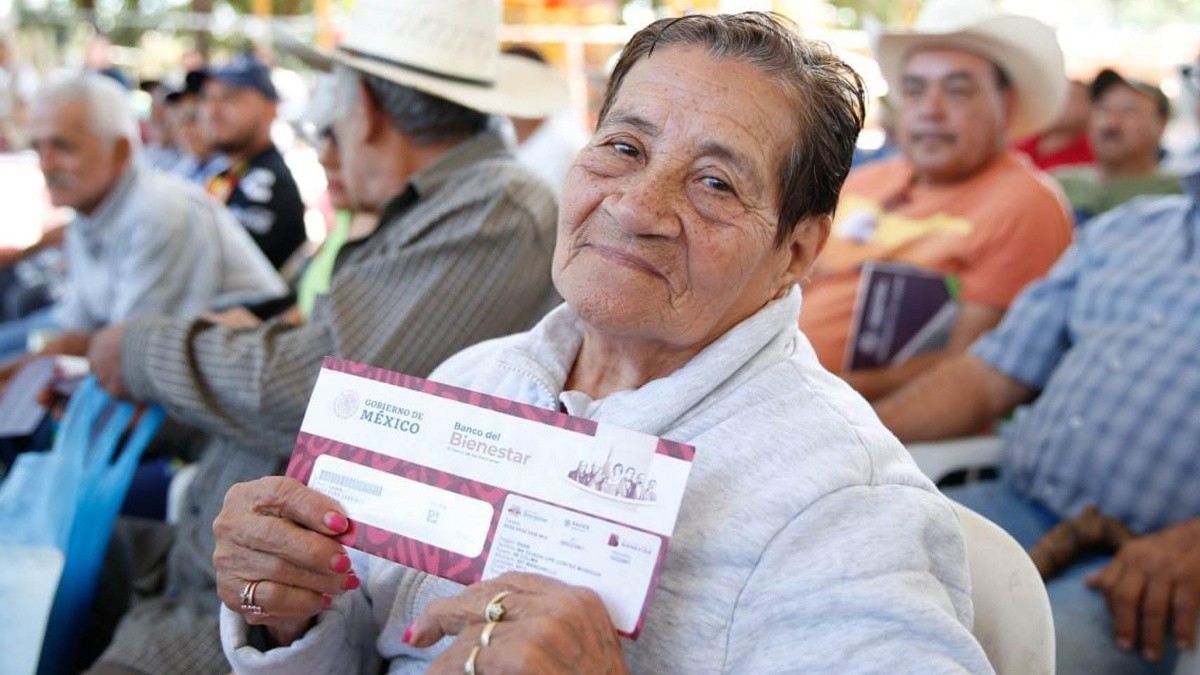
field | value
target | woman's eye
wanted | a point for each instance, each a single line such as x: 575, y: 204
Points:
x: 717, y: 184
x: 625, y: 149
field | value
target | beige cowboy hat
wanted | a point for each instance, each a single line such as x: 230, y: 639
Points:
x: 447, y: 48
x: 1024, y: 47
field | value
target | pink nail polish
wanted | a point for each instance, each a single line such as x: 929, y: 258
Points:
x: 336, y: 522
x: 408, y: 633
x: 327, y: 600
x: 341, y: 563
x: 1125, y: 643
x: 352, y: 582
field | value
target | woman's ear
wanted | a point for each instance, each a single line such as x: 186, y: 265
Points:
x: 804, y: 245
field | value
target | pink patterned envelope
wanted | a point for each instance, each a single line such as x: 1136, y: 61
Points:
x: 466, y: 486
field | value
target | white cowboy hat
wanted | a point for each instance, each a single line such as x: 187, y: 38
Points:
x: 447, y: 48
x: 1024, y: 47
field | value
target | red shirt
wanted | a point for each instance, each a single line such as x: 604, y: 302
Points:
x: 1078, y: 151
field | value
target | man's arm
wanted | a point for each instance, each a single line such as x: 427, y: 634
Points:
x: 959, y: 397
x: 168, y: 267
x: 406, y: 308
x: 1003, y: 368
x: 972, y: 321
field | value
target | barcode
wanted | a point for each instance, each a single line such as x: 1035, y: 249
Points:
x: 352, y: 483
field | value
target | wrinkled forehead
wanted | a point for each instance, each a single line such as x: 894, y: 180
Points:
x: 723, y: 107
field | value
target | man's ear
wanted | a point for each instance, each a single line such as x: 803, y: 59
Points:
x: 374, y: 118
x: 122, y: 153
x: 804, y: 245
x: 1009, y: 98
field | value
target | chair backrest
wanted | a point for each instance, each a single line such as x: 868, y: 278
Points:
x: 938, y: 459
x: 1013, y: 622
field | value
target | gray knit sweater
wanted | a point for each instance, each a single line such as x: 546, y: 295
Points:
x: 807, y: 540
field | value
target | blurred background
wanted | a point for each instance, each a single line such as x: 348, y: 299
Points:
x: 160, y: 40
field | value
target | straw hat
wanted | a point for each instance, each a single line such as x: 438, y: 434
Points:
x: 447, y: 48
x: 1024, y: 47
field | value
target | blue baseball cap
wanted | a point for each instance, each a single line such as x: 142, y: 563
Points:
x: 246, y: 71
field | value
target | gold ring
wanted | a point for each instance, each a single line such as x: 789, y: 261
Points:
x: 469, y: 666
x: 494, y: 610
x: 485, y: 638
x: 249, y: 606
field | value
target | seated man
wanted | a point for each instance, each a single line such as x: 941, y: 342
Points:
x: 239, y: 105
x: 1107, y: 343
x: 957, y: 202
x: 142, y: 242
x: 201, y: 162
x: 1126, y: 128
x: 1066, y: 142
x: 806, y: 542
x: 461, y: 254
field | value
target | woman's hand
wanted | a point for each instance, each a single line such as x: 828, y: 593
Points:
x: 278, y: 532
x: 547, y: 627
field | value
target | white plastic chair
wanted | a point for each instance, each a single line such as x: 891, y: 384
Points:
x: 1013, y: 622
x: 938, y: 459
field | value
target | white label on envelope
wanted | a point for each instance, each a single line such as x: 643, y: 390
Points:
x: 577, y: 549
x: 415, y: 510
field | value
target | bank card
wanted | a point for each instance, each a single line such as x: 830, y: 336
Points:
x: 467, y: 486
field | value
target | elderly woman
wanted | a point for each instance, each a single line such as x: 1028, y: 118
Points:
x: 807, y: 540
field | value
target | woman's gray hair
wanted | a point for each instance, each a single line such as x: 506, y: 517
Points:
x: 109, y: 113
x: 828, y: 98
x: 425, y: 118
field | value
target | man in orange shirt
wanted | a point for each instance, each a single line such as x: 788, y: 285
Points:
x: 957, y: 202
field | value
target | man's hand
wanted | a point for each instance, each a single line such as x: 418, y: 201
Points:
x: 234, y: 317
x: 1152, y: 579
x: 104, y: 353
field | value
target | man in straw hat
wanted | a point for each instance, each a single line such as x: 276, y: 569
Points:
x: 957, y: 203
x: 462, y: 254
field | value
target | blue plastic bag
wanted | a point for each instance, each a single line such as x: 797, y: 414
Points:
x: 68, y: 498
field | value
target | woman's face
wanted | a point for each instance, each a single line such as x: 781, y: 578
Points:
x: 666, y: 233
x: 331, y: 161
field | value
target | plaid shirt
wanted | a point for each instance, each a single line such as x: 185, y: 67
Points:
x: 1111, y: 339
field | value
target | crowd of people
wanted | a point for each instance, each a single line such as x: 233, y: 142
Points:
x: 650, y: 276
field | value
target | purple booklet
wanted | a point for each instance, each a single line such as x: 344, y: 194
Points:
x: 900, y: 311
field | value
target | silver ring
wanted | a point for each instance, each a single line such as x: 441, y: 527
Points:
x: 494, y: 610
x: 249, y: 606
x: 469, y: 666
x: 485, y: 638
